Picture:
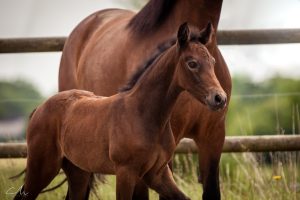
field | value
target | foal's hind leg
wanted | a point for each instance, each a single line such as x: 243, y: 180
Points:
x: 78, y: 181
x: 41, y: 170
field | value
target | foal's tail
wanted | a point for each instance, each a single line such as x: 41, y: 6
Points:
x: 31, y: 114
x: 55, y: 187
x: 18, y: 175
x: 44, y: 191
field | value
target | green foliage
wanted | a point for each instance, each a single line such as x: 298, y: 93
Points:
x: 138, y: 3
x: 269, y: 107
x: 17, y: 98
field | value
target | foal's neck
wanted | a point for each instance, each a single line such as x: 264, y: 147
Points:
x: 157, y: 90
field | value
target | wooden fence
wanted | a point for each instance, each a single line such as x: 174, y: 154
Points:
x: 228, y: 37
x: 232, y: 144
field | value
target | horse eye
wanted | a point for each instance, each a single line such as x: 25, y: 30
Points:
x: 192, y: 64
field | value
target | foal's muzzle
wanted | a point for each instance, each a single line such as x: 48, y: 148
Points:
x: 216, y: 100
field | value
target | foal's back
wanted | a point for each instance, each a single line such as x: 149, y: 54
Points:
x: 56, y: 107
x: 47, y: 120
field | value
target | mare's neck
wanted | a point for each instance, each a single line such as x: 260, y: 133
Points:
x: 197, y: 12
x: 157, y: 90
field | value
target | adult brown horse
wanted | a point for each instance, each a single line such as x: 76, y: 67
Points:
x: 108, y: 46
x: 84, y: 133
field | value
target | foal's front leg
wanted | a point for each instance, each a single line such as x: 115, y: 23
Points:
x: 126, y: 181
x: 140, y: 191
x: 164, y: 184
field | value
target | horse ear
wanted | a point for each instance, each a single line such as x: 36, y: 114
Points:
x: 206, y: 34
x: 183, y: 35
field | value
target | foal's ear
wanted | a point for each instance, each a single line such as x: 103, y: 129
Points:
x: 183, y: 35
x: 206, y: 34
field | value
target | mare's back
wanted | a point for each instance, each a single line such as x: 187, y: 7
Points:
x: 76, y: 43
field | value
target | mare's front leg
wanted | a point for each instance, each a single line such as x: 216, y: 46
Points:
x: 127, y: 179
x: 210, y: 149
x: 164, y: 184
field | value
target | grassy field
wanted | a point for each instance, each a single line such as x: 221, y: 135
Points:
x: 243, y: 177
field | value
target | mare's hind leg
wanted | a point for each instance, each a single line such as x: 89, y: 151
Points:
x: 41, y: 170
x: 78, y: 181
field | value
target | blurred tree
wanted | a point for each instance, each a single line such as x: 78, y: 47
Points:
x: 138, y: 4
x: 269, y: 107
x: 17, y: 99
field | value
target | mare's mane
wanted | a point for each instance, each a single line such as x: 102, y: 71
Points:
x: 151, y: 16
x: 194, y: 37
x: 150, y: 62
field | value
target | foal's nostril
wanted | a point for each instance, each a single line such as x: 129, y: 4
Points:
x: 218, y: 99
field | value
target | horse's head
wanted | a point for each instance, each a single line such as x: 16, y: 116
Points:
x: 196, y: 67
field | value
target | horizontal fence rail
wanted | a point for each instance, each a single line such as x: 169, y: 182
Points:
x: 267, y: 36
x: 232, y: 144
x: 30, y: 45
x: 239, y: 144
x: 225, y: 37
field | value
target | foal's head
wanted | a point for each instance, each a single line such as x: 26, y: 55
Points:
x: 195, y: 72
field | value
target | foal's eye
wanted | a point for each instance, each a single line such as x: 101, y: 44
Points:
x: 192, y: 64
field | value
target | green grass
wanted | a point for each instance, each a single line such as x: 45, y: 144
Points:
x: 243, y: 177
x: 10, y: 167
x: 247, y: 176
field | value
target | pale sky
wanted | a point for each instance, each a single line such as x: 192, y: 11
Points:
x: 41, y: 18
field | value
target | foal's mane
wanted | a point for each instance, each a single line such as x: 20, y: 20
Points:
x: 152, y: 15
x: 150, y: 62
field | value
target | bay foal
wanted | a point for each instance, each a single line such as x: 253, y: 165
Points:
x: 128, y: 134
